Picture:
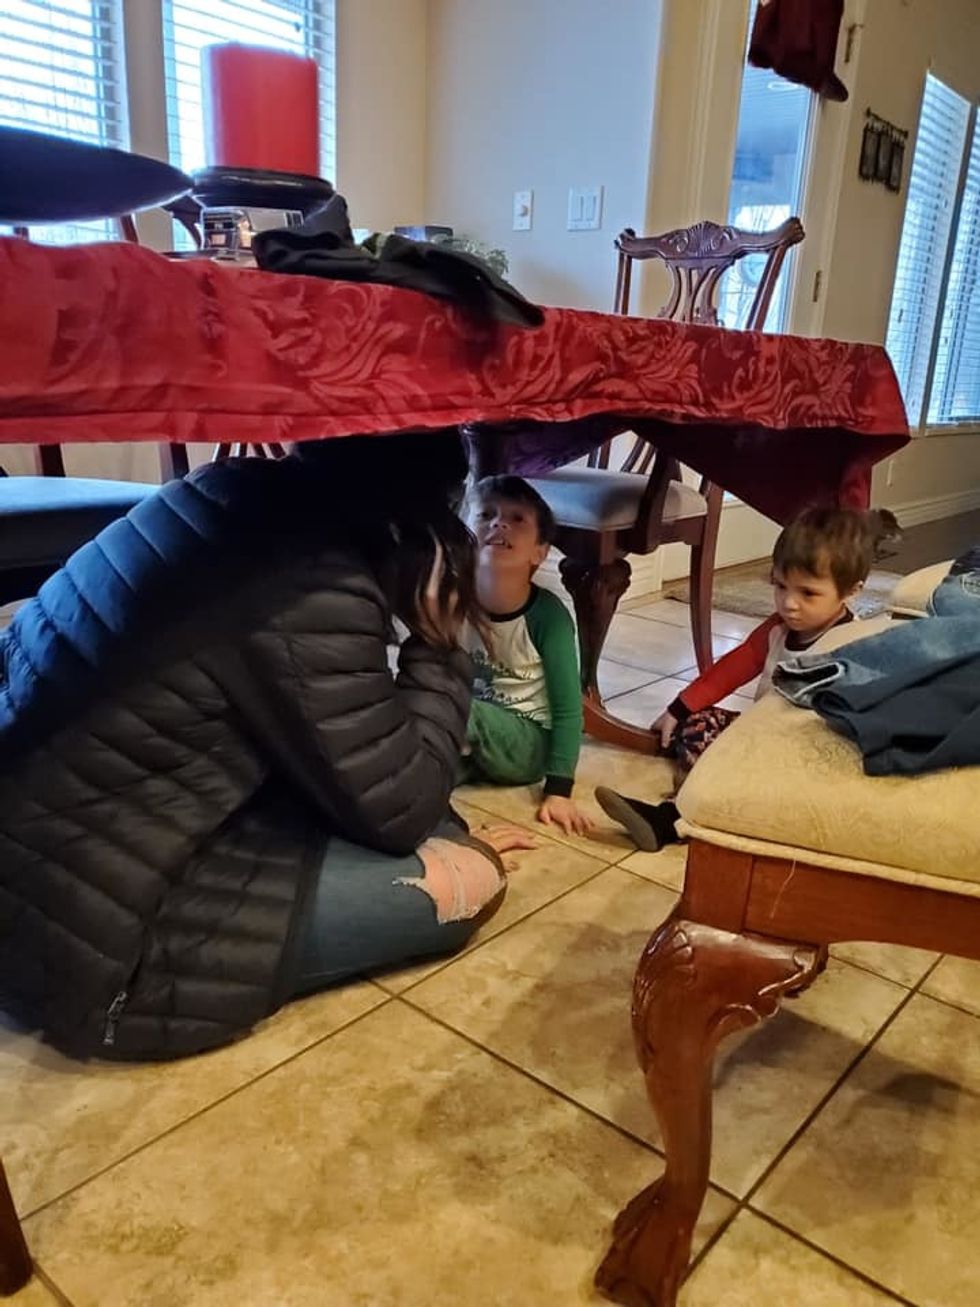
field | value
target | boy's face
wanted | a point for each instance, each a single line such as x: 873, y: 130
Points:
x: 806, y: 602
x: 507, y: 534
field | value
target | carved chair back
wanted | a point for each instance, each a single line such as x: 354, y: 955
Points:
x: 697, y: 257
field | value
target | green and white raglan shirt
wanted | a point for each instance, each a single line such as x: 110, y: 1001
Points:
x: 534, y: 671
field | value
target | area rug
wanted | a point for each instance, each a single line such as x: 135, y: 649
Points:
x: 748, y: 590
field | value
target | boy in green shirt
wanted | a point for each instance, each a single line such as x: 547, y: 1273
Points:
x: 526, y: 720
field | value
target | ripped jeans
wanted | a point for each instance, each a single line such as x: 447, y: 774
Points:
x: 373, y: 911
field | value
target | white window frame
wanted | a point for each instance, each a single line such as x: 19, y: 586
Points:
x: 923, y: 427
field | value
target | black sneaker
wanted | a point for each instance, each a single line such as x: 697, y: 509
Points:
x: 649, y: 825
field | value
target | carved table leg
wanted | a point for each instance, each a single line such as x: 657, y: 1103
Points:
x: 596, y: 589
x: 15, y: 1262
x: 694, y: 985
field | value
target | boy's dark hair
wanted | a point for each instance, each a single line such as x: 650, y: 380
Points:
x: 517, y: 490
x: 821, y: 540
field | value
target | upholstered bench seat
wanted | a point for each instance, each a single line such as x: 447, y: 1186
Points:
x: 778, y: 782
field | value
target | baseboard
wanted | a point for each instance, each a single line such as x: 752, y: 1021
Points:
x: 918, y: 511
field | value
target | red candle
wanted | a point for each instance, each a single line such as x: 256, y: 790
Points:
x: 260, y: 109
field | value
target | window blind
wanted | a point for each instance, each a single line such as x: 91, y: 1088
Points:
x: 303, y: 27
x: 929, y: 213
x: 768, y: 181
x: 62, y: 70
x: 956, y: 384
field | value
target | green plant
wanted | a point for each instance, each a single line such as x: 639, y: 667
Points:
x: 495, y: 259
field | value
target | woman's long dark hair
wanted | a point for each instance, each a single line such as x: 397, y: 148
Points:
x: 397, y: 497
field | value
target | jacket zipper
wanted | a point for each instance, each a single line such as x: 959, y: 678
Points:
x: 112, y: 1016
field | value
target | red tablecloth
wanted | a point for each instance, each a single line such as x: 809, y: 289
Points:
x: 114, y: 342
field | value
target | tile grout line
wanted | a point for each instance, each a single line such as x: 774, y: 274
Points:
x: 217, y: 1102
x: 832, y: 1257
x: 654, y: 680
x: 387, y: 997
x: 504, y: 930
x: 537, y: 1080
x: 828, y: 1095
x: 535, y: 828
x: 650, y: 881
x: 57, y: 1293
x: 870, y: 971
x: 935, y: 998
x: 745, y: 1202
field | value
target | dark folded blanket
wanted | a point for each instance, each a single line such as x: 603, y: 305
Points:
x: 323, y: 246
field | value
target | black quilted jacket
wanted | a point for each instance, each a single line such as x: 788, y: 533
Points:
x: 187, y: 711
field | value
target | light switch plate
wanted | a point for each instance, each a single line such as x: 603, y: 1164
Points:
x: 523, y: 210
x: 585, y: 208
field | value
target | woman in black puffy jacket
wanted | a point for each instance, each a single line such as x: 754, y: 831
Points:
x: 214, y: 794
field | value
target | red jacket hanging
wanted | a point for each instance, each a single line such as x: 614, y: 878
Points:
x: 798, y: 40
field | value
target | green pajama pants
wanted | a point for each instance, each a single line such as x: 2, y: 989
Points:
x: 505, y: 748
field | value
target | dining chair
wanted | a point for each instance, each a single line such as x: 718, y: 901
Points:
x: 46, y: 179
x: 605, y: 514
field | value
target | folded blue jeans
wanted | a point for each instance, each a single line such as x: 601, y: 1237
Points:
x: 908, y: 697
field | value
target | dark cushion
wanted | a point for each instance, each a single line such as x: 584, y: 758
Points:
x: 43, y: 520
x: 596, y: 499
x: 51, y: 179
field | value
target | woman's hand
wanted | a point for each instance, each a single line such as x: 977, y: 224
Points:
x: 565, y: 813
x: 504, y: 837
x: 664, y: 726
x: 440, y: 619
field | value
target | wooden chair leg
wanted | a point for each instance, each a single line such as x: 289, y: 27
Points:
x: 174, y: 462
x: 702, y: 578
x: 596, y: 589
x: 49, y: 461
x: 15, y: 1261
x: 695, y: 984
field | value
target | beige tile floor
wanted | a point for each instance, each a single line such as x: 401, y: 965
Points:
x: 463, y: 1133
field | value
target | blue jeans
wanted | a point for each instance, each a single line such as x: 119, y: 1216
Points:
x: 909, y: 697
x: 372, y: 911
x: 909, y: 651
x: 958, y: 595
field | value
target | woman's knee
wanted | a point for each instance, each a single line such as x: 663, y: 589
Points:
x: 463, y: 882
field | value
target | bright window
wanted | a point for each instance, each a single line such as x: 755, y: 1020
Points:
x: 303, y: 27
x: 930, y: 337
x: 934, y: 323
x: 956, y: 383
x: 767, y: 183
x: 62, y: 71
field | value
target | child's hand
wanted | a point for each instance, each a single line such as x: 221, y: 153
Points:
x: 664, y: 726
x: 556, y: 810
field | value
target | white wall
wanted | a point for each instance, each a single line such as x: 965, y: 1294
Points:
x: 542, y: 95
x: 382, y: 65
